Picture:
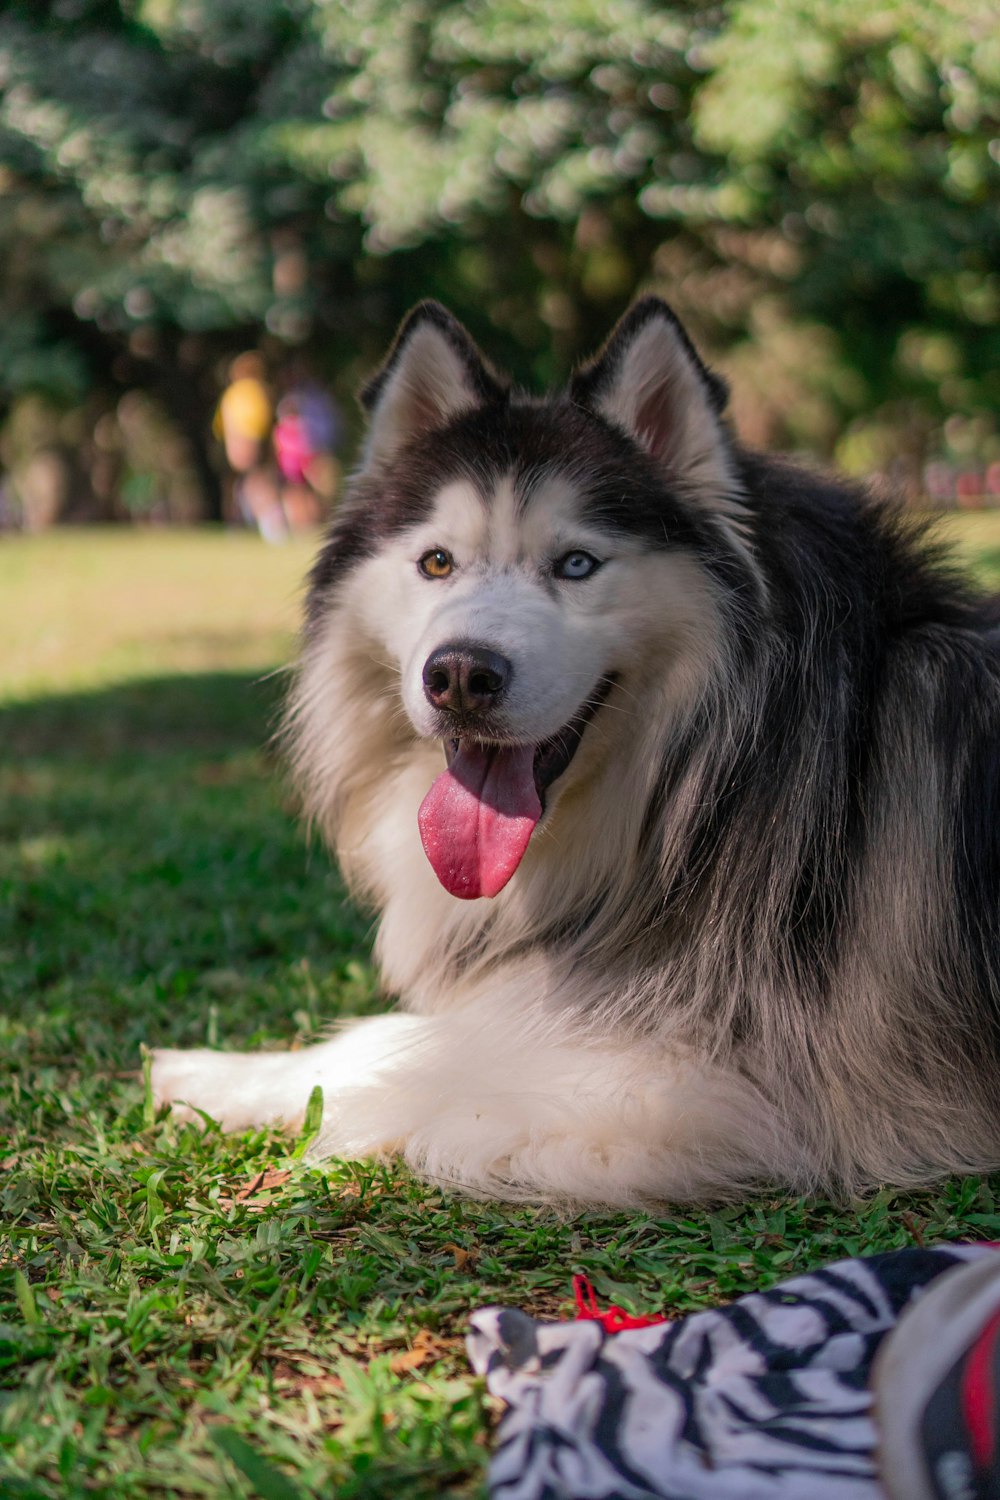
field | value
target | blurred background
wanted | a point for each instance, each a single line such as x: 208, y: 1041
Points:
x: 213, y: 213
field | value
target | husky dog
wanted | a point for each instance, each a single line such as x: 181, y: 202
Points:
x: 672, y: 771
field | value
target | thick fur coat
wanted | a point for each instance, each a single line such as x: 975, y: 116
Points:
x: 707, y: 893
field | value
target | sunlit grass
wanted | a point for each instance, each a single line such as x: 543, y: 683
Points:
x: 174, y: 1323
x: 976, y: 537
x: 86, y: 608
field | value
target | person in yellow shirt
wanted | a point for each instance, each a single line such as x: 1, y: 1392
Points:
x: 243, y: 423
x: 243, y: 420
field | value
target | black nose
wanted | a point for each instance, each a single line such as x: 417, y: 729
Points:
x: 465, y: 679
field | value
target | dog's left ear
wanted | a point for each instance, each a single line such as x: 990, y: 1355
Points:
x: 432, y: 373
x: 649, y: 380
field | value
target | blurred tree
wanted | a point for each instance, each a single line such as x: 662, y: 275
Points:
x: 869, y: 137
x: 814, y: 184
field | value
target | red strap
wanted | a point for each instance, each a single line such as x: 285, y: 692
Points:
x: 616, y: 1318
x: 979, y: 1395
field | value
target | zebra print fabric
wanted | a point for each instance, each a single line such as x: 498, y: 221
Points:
x: 766, y: 1399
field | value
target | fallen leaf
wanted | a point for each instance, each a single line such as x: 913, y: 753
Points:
x: 426, y: 1345
x: 464, y: 1259
x: 262, y: 1183
x: 248, y: 1196
x: 409, y: 1359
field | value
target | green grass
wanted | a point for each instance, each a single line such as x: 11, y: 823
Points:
x: 189, y: 1314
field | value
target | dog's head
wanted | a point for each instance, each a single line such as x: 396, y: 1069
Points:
x: 528, y: 581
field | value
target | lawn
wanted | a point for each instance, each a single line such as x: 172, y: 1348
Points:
x: 188, y: 1314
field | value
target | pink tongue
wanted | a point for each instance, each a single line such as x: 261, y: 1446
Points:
x: 477, y: 818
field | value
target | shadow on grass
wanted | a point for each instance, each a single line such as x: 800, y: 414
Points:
x: 154, y: 881
x: 208, y: 714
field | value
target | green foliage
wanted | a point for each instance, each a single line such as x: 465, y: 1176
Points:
x: 870, y: 135
x: 814, y: 184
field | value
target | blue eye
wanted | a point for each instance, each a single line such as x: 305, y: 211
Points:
x: 575, y: 565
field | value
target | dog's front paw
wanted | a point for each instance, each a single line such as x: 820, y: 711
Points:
x: 189, y: 1081
x: 236, y: 1089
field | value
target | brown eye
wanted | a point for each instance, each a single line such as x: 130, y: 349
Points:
x: 436, y: 564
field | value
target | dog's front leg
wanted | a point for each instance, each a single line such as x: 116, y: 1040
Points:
x: 498, y: 1106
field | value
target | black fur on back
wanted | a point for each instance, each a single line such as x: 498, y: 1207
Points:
x: 860, y: 600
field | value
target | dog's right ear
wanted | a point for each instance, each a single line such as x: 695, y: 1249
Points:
x: 433, y: 372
